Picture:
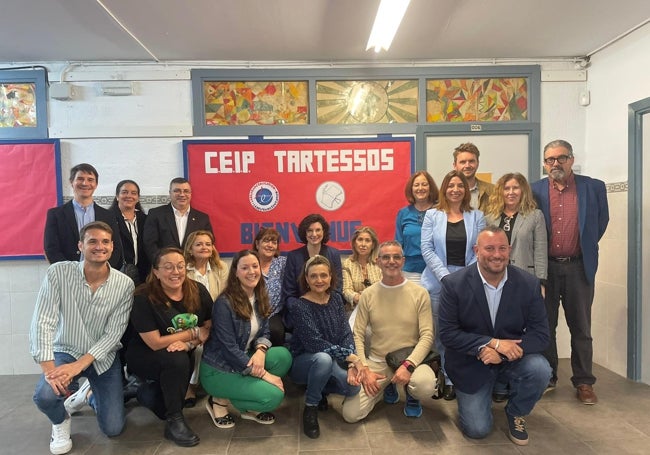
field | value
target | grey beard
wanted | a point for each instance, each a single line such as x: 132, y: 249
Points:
x: 557, y: 174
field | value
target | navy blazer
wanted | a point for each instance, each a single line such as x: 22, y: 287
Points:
x: 465, y: 324
x: 144, y: 266
x: 61, y: 236
x: 593, y: 216
x: 160, y: 228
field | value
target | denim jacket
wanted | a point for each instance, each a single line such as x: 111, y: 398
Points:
x: 226, y: 348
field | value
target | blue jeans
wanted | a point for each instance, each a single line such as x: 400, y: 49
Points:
x: 322, y: 374
x: 527, y: 379
x: 107, y: 399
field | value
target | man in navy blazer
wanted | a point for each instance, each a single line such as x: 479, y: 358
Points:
x: 169, y: 225
x: 576, y: 212
x: 494, y: 326
x: 62, y: 225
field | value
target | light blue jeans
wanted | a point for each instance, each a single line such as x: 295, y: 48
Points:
x: 527, y: 378
x: 107, y: 399
x: 322, y: 374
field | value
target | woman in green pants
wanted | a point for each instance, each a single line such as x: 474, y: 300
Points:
x: 239, y: 365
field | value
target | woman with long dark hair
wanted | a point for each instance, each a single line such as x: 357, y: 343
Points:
x: 171, y: 315
x: 239, y: 365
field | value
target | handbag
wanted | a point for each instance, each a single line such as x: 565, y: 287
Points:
x: 396, y: 358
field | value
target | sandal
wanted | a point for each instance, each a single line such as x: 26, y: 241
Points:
x: 226, y: 421
x: 265, y: 418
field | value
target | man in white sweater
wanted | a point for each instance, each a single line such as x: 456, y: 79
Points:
x: 399, y: 313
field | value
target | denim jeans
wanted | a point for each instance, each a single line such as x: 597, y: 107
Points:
x: 322, y: 374
x: 107, y: 399
x: 527, y: 378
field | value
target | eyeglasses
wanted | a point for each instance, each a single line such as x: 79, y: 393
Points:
x: 171, y: 267
x: 388, y: 257
x: 560, y: 159
x: 366, y: 282
x: 180, y: 191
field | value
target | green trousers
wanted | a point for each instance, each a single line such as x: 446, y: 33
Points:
x: 248, y: 393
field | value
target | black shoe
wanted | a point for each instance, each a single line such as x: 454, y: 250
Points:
x: 130, y: 389
x: 449, y: 393
x: 499, y: 397
x: 310, y: 422
x: 552, y: 384
x: 323, y: 405
x: 176, y: 430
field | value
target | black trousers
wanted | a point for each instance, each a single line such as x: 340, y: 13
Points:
x: 171, y: 371
x: 568, y: 284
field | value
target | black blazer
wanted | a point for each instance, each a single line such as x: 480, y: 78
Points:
x: 143, y: 265
x: 160, y: 228
x: 61, y: 238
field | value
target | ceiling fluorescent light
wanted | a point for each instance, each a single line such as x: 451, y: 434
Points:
x: 389, y: 16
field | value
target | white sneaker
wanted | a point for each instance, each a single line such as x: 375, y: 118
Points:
x: 77, y: 400
x: 61, y: 442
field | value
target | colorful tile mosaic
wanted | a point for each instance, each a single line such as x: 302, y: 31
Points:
x: 230, y: 103
x: 477, y: 100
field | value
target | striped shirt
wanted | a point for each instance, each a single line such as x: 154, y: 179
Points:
x: 70, y: 318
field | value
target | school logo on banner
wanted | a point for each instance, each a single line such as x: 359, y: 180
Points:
x: 264, y: 196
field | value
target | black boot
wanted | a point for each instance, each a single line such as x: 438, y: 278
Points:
x: 310, y: 422
x: 177, y: 431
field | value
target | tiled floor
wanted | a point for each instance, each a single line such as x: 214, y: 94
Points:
x: 618, y: 424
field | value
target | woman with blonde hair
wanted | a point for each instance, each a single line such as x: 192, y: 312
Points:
x: 512, y: 207
x: 360, y: 270
x: 204, y: 266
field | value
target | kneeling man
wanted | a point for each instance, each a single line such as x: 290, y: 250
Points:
x: 399, y: 313
x: 493, y: 323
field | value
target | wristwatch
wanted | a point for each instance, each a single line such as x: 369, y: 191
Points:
x: 409, y: 366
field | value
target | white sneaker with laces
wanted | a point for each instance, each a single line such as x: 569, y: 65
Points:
x: 77, y: 400
x: 60, y: 442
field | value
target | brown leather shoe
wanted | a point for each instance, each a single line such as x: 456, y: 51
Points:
x: 586, y: 394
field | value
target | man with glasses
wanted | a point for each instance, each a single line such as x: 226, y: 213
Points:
x: 399, y: 313
x: 576, y: 212
x: 169, y: 225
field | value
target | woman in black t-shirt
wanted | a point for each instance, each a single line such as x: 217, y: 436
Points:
x: 172, y: 315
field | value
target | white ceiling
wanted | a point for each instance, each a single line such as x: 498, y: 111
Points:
x: 307, y: 30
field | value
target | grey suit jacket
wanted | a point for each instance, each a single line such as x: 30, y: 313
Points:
x: 528, y: 241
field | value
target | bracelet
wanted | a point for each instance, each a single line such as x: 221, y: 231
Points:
x: 262, y: 348
x: 496, y: 346
x: 262, y: 377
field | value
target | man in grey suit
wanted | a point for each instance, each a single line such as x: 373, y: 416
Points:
x: 576, y: 212
x: 169, y: 225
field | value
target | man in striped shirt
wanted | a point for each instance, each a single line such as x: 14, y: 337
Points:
x: 82, y: 310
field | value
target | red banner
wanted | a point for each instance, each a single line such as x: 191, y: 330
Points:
x: 245, y: 185
x: 28, y: 179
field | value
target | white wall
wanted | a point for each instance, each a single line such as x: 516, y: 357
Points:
x: 140, y: 137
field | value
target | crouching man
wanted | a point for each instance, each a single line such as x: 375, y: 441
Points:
x: 493, y: 323
x: 82, y: 310
x: 399, y: 313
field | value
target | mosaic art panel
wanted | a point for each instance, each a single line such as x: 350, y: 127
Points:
x: 234, y: 103
x: 17, y: 105
x: 477, y: 100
